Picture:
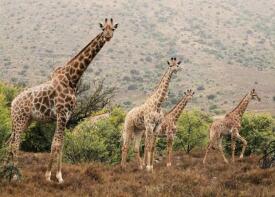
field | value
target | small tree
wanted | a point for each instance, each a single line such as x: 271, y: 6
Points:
x: 192, y: 129
x: 90, y: 100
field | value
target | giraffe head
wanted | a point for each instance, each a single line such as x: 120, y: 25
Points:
x: 189, y: 94
x: 174, y: 65
x: 108, y: 28
x: 254, y: 95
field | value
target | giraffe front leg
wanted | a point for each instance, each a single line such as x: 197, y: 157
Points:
x: 59, y: 166
x: 137, y: 151
x: 244, y: 144
x: 56, y: 147
x: 233, y: 145
x: 148, y: 149
x: 169, y: 150
x: 153, y: 150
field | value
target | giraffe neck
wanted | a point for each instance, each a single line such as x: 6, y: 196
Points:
x: 160, y: 93
x: 77, y: 65
x: 241, y: 107
x: 175, y: 112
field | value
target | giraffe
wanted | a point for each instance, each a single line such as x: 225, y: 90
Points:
x: 54, y: 100
x: 146, y: 118
x: 230, y: 124
x: 169, y: 124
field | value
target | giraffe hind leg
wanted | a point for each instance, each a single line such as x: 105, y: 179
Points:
x: 137, y: 140
x: 19, y: 124
x: 221, y: 150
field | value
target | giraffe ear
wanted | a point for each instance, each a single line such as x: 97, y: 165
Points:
x: 179, y: 62
x: 115, y: 26
x: 168, y: 63
x: 193, y: 93
x: 184, y: 93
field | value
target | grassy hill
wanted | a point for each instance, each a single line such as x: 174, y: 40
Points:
x: 227, y: 46
x: 187, y: 177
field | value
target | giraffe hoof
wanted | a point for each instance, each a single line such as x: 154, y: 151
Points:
x: 140, y: 167
x: 59, y: 177
x: 169, y: 164
x: 60, y: 181
x: 149, y: 168
x: 48, y: 176
x: 15, y: 177
x: 123, y: 166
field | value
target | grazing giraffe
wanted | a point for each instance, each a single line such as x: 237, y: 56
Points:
x: 230, y: 124
x: 169, y: 124
x: 146, y: 118
x: 54, y: 100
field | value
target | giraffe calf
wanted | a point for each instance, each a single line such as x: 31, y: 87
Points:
x: 230, y: 125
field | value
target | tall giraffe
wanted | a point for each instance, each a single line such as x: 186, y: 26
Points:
x: 230, y: 124
x: 146, y: 118
x: 169, y: 124
x: 54, y: 100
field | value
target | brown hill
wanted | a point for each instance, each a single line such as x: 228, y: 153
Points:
x: 227, y: 46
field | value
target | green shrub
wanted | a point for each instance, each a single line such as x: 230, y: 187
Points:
x: 95, y: 142
x: 38, y: 137
x: 7, y: 93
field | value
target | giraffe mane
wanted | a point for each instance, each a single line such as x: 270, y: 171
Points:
x: 99, y: 35
x: 156, y: 87
x: 175, y: 106
x: 239, y: 104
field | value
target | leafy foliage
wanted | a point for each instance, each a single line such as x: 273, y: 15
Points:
x: 7, y: 93
x: 95, y: 142
x: 192, y: 129
x: 90, y: 100
x: 38, y: 137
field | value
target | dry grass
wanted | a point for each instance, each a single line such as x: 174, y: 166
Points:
x: 188, y: 177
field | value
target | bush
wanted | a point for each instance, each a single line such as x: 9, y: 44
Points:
x: 95, y: 142
x: 5, y: 123
x: 132, y: 87
x: 192, y: 129
x: 7, y: 93
x: 211, y: 97
x: 38, y: 137
x: 257, y: 130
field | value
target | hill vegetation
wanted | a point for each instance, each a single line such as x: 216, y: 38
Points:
x: 227, y: 47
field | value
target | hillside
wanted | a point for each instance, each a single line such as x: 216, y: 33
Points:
x: 187, y: 177
x: 227, y: 46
